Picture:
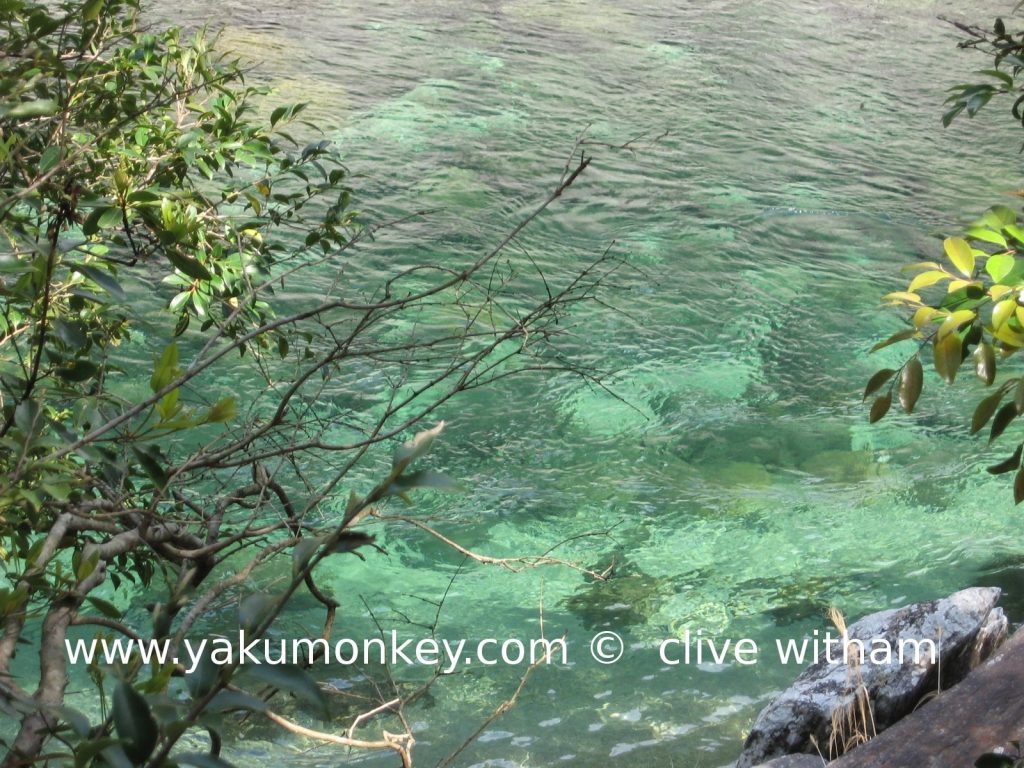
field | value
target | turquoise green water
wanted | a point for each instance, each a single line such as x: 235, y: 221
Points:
x: 804, y: 162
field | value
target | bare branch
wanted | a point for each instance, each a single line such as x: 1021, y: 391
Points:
x: 513, y: 564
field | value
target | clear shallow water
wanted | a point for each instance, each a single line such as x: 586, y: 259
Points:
x: 804, y: 162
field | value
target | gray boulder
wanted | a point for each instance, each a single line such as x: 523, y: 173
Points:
x: 965, y: 628
x: 794, y: 761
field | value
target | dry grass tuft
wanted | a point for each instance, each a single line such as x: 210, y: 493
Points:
x: 854, y: 723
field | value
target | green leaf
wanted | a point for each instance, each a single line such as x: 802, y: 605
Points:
x: 979, y: 99
x: 72, y: 333
x: 948, y: 356
x: 911, y: 381
x: 960, y: 254
x: 875, y: 382
x: 162, y: 620
x: 134, y: 722
x: 166, y: 368
x: 226, y: 701
x: 110, y: 218
x: 78, y: 371
x: 204, y: 677
x: 1004, y: 77
x: 27, y: 417
x: 999, y: 265
x: 880, y: 408
x: 999, y: 216
x: 37, y: 108
x: 87, y: 566
x: 949, y: 116
x: 224, y: 410
x: 1004, y: 416
x: 91, y: 225
x: 1009, y: 464
x: 58, y: 491
x: 167, y: 407
x: 152, y: 463
x: 204, y: 168
x: 113, y: 755
x: 189, y: 265
x: 92, y: 9
x: 79, y: 723
x: 302, y: 552
x: 107, y: 609
x: 179, y: 300
x: 255, y: 609
x: 31, y: 497
x: 985, y: 362
x: 49, y: 159
x: 201, y: 302
x: 102, y: 278
x: 292, y: 679
x: 983, y: 412
x: 987, y: 235
x: 142, y: 196
x: 1015, y: 232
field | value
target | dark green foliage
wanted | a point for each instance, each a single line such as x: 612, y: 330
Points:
x: 146, y: 212
x: 970, y: 303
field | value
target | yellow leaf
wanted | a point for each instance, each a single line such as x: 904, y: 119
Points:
x: 921, y: 265
x: 924, y: 315
x: 948, y: 356
x: 956, y: 285
x: 910, y: 384
x: 1009, y: 336
x: 997, y: 290
x: 903, y: 296
x: 960, y: 253
x: 954, y: 321
x: 931, y: 277
x: 1002, y: 312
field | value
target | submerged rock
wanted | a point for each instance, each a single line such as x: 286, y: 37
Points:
x: 623, y: 600
x: 965, y: 629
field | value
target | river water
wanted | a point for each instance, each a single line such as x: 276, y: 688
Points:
x: 803, y: 162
